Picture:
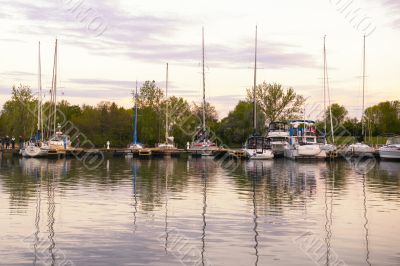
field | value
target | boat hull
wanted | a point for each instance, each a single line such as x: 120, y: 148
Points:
x: 34, y: 152
x: 278, y: 148
x: 389, y: 153
x: 305, y: 152
x: 253, y: 154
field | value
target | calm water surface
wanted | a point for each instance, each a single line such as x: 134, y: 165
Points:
x: 195, y: 212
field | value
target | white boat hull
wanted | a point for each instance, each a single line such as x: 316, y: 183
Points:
x: 34, y: 152
x: 390, y: 152
x: 202, y: 151
x: 253, y: 154
x: 305, y: 152
x: 278, y: 148
x: 360, y: 148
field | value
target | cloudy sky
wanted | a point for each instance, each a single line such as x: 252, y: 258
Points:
x: 105, y: 46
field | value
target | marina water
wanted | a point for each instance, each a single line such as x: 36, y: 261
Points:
x: 197, y: 212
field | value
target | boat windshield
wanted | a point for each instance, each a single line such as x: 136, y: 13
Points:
x: 393, y: 141
x: 278, y: 126
x: 257, y: 142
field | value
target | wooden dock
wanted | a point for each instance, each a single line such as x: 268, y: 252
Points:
x: 237, y: 154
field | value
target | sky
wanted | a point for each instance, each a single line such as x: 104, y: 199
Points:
x: 105, y: 46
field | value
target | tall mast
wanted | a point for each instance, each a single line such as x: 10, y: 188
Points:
x: 204, y: 86
x: 324, y: 86
x: 54, y: 89
x: 39, y: 124
x: 135, y: 118
x: 254, y: 87
x: 363, y: 93
x: 329, y: 96
x: 166, y: 107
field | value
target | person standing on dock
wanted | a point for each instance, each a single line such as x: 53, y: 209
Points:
x: 65, y: 142
x: 78, y: 142
x: 13, y: 143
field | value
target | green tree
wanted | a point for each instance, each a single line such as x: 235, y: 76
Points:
x: 277, y: 103
x: 210, y: 111
x: 339, y: 115
x: 383, y: 118
x: 18, y: 116
x: 238, y: 125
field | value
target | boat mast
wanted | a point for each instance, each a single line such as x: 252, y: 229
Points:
x: 39, y: 124
x: 54, y: 89
x: 329, y: 94
x: 204, y: 86
x: 363, y: 93
x: 254, y: 87
x: 166, y: 107
x: 324, y: 86
x: 135, y: 117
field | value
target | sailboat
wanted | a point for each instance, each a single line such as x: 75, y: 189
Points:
x: 202, y: 145
x: 257, y: 146
x: 325, y: 145
x: 360, y: 147
x: 135, y: 144
x: 37, y: 148
x: 58, y: 141
x: 169, y: 140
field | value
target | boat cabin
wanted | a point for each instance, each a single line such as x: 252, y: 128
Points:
x: 257, y: 142
x: 302, y: 132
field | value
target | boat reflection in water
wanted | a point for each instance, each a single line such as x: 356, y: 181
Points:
x: 44, y: 167
x: 390, y: 167
x: 46, y: 174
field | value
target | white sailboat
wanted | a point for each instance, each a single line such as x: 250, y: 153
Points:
x: 325, y: 145
x: 169, y: 140
x: 135, y: 145
x: 59, y: 140
x: 37, y: 148
x: 361, y: 148
x: 202, y: 145
x: 257, y: 147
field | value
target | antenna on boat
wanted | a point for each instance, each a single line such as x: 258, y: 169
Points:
x: 204, y: 85
x: 254, y: 87
x: 166, y: 107
x: 363, y: 93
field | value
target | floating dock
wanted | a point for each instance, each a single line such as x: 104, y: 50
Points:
x: 237, y: 154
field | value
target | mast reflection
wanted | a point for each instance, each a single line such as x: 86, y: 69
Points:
x: 134, y: 167
x: 37, y: 217
x: 365, y: 221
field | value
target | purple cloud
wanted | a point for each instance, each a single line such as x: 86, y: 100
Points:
x: 146, y: 37
x: 393, y: 7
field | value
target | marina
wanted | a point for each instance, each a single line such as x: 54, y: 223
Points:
x: 199, y: 133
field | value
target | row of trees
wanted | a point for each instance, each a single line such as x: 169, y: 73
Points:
x: 109, y: 122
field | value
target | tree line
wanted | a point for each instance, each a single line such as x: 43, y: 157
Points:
x: 109, y: 122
